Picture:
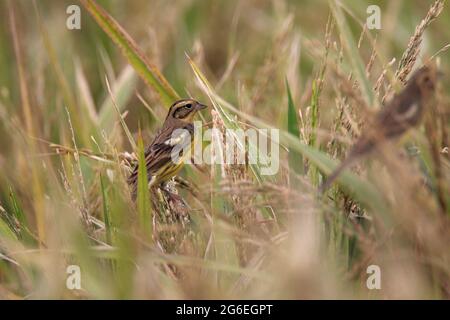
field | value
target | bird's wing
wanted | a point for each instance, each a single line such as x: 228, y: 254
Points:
x: 159, y: 152
x: 400, y: 114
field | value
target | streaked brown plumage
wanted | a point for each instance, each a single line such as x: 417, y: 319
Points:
x: 159, y: 163
x: 401, y: 113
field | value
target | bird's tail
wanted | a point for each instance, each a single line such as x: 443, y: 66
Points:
x: 132, y: 182
x: 133, y: 191
x: 344, y: 165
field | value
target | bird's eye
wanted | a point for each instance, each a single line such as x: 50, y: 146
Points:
x: 188, y: 106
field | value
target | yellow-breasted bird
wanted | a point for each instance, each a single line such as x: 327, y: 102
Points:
x: 158, y: 155
x: 402, y: 112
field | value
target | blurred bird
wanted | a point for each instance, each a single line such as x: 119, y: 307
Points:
x: 158, y: 156
x: 402, y: 112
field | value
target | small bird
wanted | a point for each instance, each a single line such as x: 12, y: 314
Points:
x: 402, y: 112
x: 158, y: 156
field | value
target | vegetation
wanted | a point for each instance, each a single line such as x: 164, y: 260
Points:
x: 77, y: 108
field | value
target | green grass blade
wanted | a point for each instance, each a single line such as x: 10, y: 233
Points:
x: 106, y: 213
x: 351, y: 49
x: 143, y: 199
x: 227, y: 119
x: 81, y: 121
x: 295, y: 159
x: 8, y: 224
x: 20, y: 217
x: 314, y: 174
x: 363, y: 191
x: 5, y: 231
x: 149, y: 73
x: 17, y: 210
x: 122, y: 122
x: 122, y: 90
x: 314, y: 113
x: 231, y: 123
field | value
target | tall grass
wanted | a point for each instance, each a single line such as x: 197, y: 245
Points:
x: 73, y: 103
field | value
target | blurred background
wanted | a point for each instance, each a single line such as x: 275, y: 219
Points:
x: 64, y: 154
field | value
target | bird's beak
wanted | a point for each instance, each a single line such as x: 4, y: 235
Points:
x: 201, y: 106
x: 440, y: 74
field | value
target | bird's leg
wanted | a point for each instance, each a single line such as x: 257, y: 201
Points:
x: 171, y: 192
x: 175, y: 202
x: 169, y: 187
x: 184, y: 184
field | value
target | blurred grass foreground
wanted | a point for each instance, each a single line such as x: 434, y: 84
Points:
x: 80, y: 100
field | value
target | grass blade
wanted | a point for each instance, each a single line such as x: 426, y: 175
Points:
x: 231, y: 124
x: 143, y: 199
x: 82, y: 123
x: 122, y: 122
x: 295, y: 159
x: 6, y: 232
x: 149, y: 73
x: 228, y: 120
x: 106, y: 214
x: 351, y: 49
x: 362, y: 190
x: 122, y: 90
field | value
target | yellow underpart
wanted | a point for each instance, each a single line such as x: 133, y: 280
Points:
x: 169, y: 170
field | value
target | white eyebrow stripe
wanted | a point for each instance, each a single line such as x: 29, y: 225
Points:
x: 183, y: 103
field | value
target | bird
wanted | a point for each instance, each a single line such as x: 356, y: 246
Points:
x: 403, y: 112
x: 176, y: 134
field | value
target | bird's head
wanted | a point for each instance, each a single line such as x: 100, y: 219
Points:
x: 425, y: 79
x: 184, y: 110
